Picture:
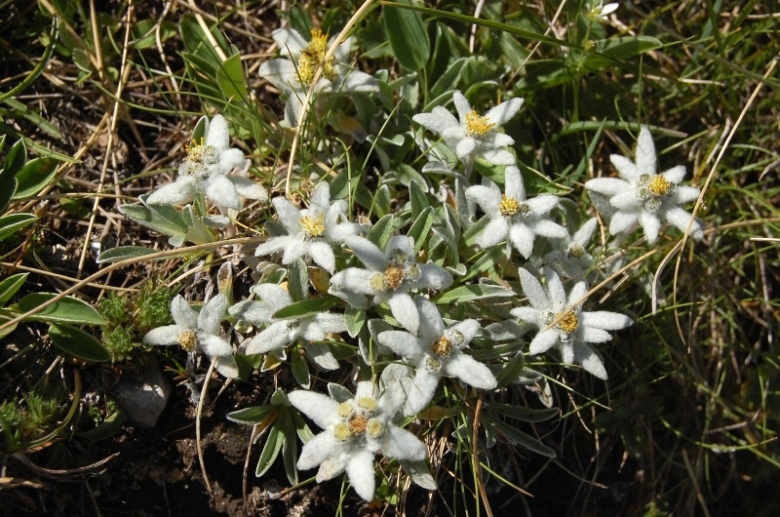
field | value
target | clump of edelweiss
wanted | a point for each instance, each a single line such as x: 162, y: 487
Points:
x: 294, y: 72
x: 437, y: 351
x: 569, y: 257
x: 198, y: 332
x: 388, y: 278
x: 513, y: 217
x: 207, y: 171
x: 473, y: 135
x: 354, y: 431
x: 574, y: 329
x: 313, y: 329
x: 311, y: 232
x: 642, y: 197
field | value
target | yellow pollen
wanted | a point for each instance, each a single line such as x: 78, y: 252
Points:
x: 196, y: 150
x: 345, y: 409
x: 568, y: 323
x: 318, y: 43
x: 442, y: 347
x: 313, y: 56
x: 188, y: 340
x: 313, y: 226
x: 393, y: 277
x: 367, y: 403
x: 341, y: 432
x: 508, y: 206
x: 658, y: 186
x: 374, y: 428
x: 477, y: 125
x: 357, y: 424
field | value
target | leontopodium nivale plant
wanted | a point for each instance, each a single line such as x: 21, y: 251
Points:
x: 513, y: 217
x: 473, y: 135
x: 437, y: 351
x: 574, y: 328
x: 569, y: 257
x: 388, y: 278
x: 207, y: 171
x: 198, y: 332
x: 354, y: 431
x: 312, y: 329
x: 311, y: 232
x: 294, y: 72
x: 641, y: 197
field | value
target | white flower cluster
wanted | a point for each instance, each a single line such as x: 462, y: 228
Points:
x: 388, y: 288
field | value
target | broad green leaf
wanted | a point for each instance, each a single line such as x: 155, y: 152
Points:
x: 407, y: 36
x: 418, y: 471
x: 106, y: 429
x: 124, y: 253
x: 421, y: 227
x: 12, y: 223
x: 78, y: 343
x: 164, y: 219
x: 314, y: 305
x: 3, y: 320
x: 17, y: 157
x: 251, y: 415
x: 339, y: 393
x: 355, y: 318
x: 145, y: 32
x: 34, y: 176
x: 230, y: 77
x: 474, y: 292
x: 298, y: 285
x: 9, y: 286
x: 273, y: 445
x: 380, y: 233
x: 66, y: 310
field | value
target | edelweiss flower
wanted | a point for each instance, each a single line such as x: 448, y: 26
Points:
x: 205, y: 172
x: 437, y: 352
x: 389, y: 278
x: 474, y: 135
x: 570, y: 257
x: 643, y: 197
x: 572, y: 332
x: 311, y: 232
x: 354, y: 431
x: 198, y: 332
x: 294, y: 75
x: 512, y: 215
x: 311, y: 328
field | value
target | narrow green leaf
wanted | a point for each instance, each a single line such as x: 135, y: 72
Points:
x: 10, y: 285
x: 145, y: 32
x: 339, y: 393
x: 12, y: 223
x: 511, y: 371
x: 421, y: 227
x: 230, y: 77
x: 34, y: 176
x: 66, y: 310
x: 78, y: 343
x: 300, y: 368
x: 418, y: 471
x: 251, y: 415
x: 418, y: 199
x: 298, y: 285
x: 273, y: 445
x: 517, y: 437
x: 313, y: 305
x: 17, y: 157
x: 466, y: 293
x: 355, y: 318
x: 290, y: 445
x: 124, y: 253
x: 380, y: 233
x: 524, y: 414
x: 407, y: 36
x: 164, y: 219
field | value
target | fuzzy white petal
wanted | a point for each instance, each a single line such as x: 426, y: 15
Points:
x: 470, y: 371
x: 321, y: 409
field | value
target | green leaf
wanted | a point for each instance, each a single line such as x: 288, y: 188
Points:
x: 17, y: 157
x: 298, y: 286
x: 106, y: 429
x: 124, y: 253
x: 355, y: 318
x: 162, y: 218
x: 407, y: 36
x: 270, y: 451
x: 78, y: 343
x: 314, y: 305
x: 517, y: 437
x: 380, y: 233
x: 466, y: 293
x: 421, y: 227
x: 521, y: 413
x: 145, y: 32
x: 418, y: 471
x: 339, y: 393
x: 300, y: 368
x: 230, y: 77
x: 34, y: 176
x: 66, y: 310
x: 10, y: 285
x: 251, y: 415
x: 418, y: 199
x: 449, y: 78
x: 290, y: 445
x: 511, y: 371
x: 12, y: 223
